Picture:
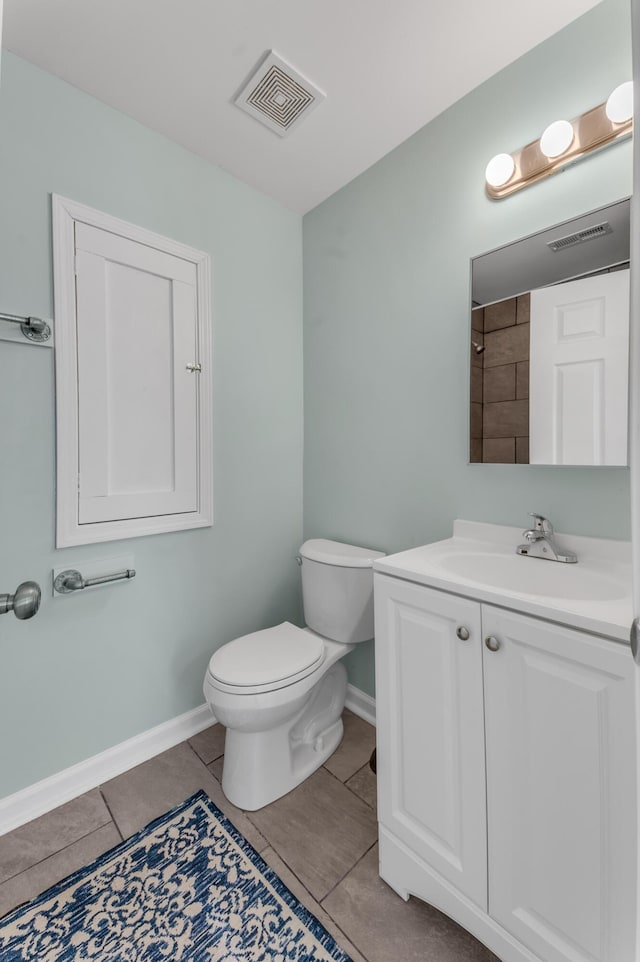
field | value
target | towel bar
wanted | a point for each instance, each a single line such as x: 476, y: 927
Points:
x: 71, y: 580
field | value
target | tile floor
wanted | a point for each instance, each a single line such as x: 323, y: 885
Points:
x: 320, y: 839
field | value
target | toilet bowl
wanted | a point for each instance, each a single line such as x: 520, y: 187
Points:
x: 280, y: 692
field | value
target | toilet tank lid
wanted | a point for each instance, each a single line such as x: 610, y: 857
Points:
x: 336, y: 553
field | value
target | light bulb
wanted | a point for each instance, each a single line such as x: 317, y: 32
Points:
x: 500, y: 170
x: 556, y: 139
x: 619, y: 106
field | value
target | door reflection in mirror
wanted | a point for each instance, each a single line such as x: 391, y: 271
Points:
x: 550, y: 314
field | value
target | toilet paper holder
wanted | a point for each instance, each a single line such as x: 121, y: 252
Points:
x: 71, y: 580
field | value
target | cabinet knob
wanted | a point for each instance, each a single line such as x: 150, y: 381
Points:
x: 463, y: 633
x: 492, y: 643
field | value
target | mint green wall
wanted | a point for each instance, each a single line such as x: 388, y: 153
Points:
x: 91, y: 671
x: 386, y: 277
x: 386, y: 337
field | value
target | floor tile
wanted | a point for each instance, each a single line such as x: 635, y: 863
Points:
x: 35, y: 841
x: 151, y: 789
x: 300, y: 892
x: 24, y: 887
x: 216, y: 768
x: 354, y: 750
x: 320, y: 840
x: 320, y: 830
x: 209, y: 744
x: 364, y: 784
x: 385, y: 927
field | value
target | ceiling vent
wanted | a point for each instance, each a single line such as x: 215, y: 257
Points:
x: 589, y: 233
x: 278, y: 96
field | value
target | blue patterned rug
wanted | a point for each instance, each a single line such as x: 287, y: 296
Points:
x: 188, y: 888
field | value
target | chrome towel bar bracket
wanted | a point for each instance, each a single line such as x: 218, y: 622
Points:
x: 33, y: 328
x: 71, y: 580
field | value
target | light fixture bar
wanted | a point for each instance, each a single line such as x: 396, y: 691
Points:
x: 592, y: 131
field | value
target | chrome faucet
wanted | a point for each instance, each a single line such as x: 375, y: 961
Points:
x: 541, y: 543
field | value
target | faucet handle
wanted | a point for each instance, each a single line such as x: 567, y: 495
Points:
x: 540, y: 523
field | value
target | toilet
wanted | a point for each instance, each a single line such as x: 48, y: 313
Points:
x: 280, y: 692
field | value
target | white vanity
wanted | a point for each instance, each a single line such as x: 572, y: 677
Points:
x: 506, y: 741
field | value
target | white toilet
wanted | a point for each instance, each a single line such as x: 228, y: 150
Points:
x: 280, y: 692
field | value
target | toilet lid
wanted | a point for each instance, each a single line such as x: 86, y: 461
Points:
x: 281, y: 654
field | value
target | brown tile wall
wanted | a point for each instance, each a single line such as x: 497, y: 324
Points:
x: 500, y: 382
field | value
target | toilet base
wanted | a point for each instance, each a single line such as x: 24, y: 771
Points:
x: 261, y: 766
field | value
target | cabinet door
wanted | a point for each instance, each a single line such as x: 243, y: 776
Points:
x: 430, y: 734
x: 137, y: 401
x: 561, y: 789
x: 133, y: 379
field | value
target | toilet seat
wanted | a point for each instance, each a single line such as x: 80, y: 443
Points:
x: 266, y: 660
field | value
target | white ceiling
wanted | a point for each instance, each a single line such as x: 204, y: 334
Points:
x: 386, y: 67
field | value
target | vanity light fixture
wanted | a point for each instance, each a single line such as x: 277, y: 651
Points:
x: 562, y: 143
x: 619, y: 106
x: 556, y: 139
x: 500, y: 170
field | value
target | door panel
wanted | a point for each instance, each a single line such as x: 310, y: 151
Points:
x: 579, y: 363
x: 137, y: 402
x: 430, y: 731
x: 560, y: 789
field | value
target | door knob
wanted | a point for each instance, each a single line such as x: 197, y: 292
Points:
x: 24, y: 603
x: 463, y: 633
x: 635, y: 640
x: 492, y: 643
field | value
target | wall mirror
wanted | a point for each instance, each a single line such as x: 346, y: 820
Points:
x: 550, y: 345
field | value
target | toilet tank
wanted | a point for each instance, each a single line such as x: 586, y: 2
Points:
x: 337, y: 589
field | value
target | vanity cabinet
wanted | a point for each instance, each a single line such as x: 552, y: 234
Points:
x: 430, y: 730
x: 506, y: 774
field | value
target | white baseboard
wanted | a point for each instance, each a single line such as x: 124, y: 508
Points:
x: 43, y: 796
x: 361, y: 704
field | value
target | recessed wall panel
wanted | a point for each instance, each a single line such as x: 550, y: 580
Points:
x: 139, y: 380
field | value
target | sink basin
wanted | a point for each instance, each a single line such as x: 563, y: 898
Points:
x: 532, y: 576
x: 480, y: 563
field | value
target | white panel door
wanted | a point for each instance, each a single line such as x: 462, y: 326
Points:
x: 430, y: 735
x: 561, y: 789
x: 137, y: 401
x: 579, y: 371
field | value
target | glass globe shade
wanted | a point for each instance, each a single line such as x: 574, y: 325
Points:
x: 500, y: 170
x: 556, y: 139
x: 619, y: 106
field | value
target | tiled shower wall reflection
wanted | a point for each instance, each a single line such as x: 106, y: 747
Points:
x: 500, y: 382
